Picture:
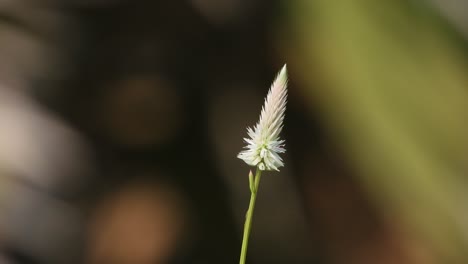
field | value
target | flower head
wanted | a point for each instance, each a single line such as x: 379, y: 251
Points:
x: 264, y: 145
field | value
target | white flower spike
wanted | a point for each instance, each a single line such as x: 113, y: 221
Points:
x: 264, y: 145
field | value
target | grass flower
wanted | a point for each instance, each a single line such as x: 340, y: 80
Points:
x: 264, y: 145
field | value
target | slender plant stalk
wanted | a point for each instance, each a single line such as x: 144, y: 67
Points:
x: 264, y: 146
x: 253, y: 182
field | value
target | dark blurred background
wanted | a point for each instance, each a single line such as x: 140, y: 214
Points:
x: 120, y: 122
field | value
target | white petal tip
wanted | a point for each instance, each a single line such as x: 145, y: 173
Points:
x: 284, y: 69
x: 283, y: 74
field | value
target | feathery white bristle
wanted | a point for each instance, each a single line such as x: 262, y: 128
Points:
x: 264, y: 145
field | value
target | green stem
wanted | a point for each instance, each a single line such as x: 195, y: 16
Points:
x: 248, y: 218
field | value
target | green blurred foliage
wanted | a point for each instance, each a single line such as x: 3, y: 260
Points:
x: 390, y: 79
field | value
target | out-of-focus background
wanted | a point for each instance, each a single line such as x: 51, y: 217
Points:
x: 120, y: 122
